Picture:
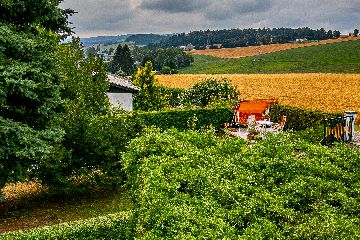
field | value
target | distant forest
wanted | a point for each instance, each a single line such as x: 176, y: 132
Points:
x: 145, y: 39
x: 103, y: 40
x: 245, y: 37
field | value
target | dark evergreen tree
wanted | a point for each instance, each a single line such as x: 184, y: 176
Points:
x: 122, y: 61
x: 356, y: 32
x: 29, y: 83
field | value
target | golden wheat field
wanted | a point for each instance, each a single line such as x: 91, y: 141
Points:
x: 264, y: 49
x: 324, y: 92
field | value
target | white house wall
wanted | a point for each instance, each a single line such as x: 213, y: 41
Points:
x: 124, y: 100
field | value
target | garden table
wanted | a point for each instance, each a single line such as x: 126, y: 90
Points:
x: 264, y: 124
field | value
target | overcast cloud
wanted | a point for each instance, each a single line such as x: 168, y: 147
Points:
x: 115, y: 17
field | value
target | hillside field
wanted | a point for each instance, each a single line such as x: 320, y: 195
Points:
x: 340, y: 57
x: 265, y: 49
x: 324, y: 92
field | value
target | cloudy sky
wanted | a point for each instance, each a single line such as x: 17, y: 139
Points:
x: 116, y: 17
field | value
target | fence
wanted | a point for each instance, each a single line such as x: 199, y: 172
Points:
x: 338, y: 129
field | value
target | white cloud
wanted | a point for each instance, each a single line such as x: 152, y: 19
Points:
x: 111, y: 17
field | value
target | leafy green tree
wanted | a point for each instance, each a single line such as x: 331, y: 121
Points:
x: 336, y: 34
x: 330, y: 34
x: 149, y: 97
x: 122, y: 60
x: 29, y: 84
x: 211, y: 90
x: 90, y: 51
x: 173, y: 58
x: 84, y: 84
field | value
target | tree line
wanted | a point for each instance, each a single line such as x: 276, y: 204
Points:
x: 230, y: 38
x: 165, y: 60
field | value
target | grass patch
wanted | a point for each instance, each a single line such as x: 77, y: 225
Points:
x: 32, y: 207
x: 330, y: 58
x: 357, y: 127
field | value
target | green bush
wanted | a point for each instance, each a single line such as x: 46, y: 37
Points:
x: 92, y: 143
x: 168, y: 70
x: 191, y: 185
x: 171, y: 97
x: 297, y: 118
x: 113, y: 226
x: 183, y: 119
x: 210, y: 90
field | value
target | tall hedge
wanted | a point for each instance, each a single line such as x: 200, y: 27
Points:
x: 297, y: 118
x: 185, y: 119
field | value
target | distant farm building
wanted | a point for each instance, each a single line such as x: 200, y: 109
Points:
x: 214, y: 46
x: 106, y: 57
x: 188, y: 47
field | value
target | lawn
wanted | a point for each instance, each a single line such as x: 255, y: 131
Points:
x: 28, y: 206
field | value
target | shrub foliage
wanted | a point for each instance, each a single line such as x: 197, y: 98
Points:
x: 183, y: 119
x: 190, y: 185
x: 209, y: 90
x: 112, y: 226
x: 299, y: 119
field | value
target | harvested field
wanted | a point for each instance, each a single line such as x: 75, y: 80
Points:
x: 324, y: 92
x: 264, y: 49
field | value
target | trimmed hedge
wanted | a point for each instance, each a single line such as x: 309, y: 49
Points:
x: 185, y: 119
x: 297, y: 118
x: 112, y: 226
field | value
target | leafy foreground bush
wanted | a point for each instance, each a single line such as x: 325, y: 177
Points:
x: 93, y: 143
x: 190, y: 185
x: 211, y: 90
x: 112, y: 226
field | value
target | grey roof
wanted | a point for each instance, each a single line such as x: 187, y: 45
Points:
x: 122, y: 83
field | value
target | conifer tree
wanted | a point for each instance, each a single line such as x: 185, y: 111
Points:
x: 29, y: 84
x: 122, y: 61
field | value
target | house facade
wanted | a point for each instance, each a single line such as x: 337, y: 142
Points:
x: 121, y: 92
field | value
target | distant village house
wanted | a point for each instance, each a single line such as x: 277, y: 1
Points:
x: 106, y: 57
x: 188, y: 47
x: 121, y: 92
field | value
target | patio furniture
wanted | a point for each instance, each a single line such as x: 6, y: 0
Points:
x: 263, y: 125
x: 279, y: 127
x: 251, y: 124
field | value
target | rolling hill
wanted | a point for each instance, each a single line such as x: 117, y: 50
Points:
x: 265, y: 49
x: 337, y: 57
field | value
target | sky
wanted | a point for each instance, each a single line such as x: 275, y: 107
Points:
x: 117, y: 17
